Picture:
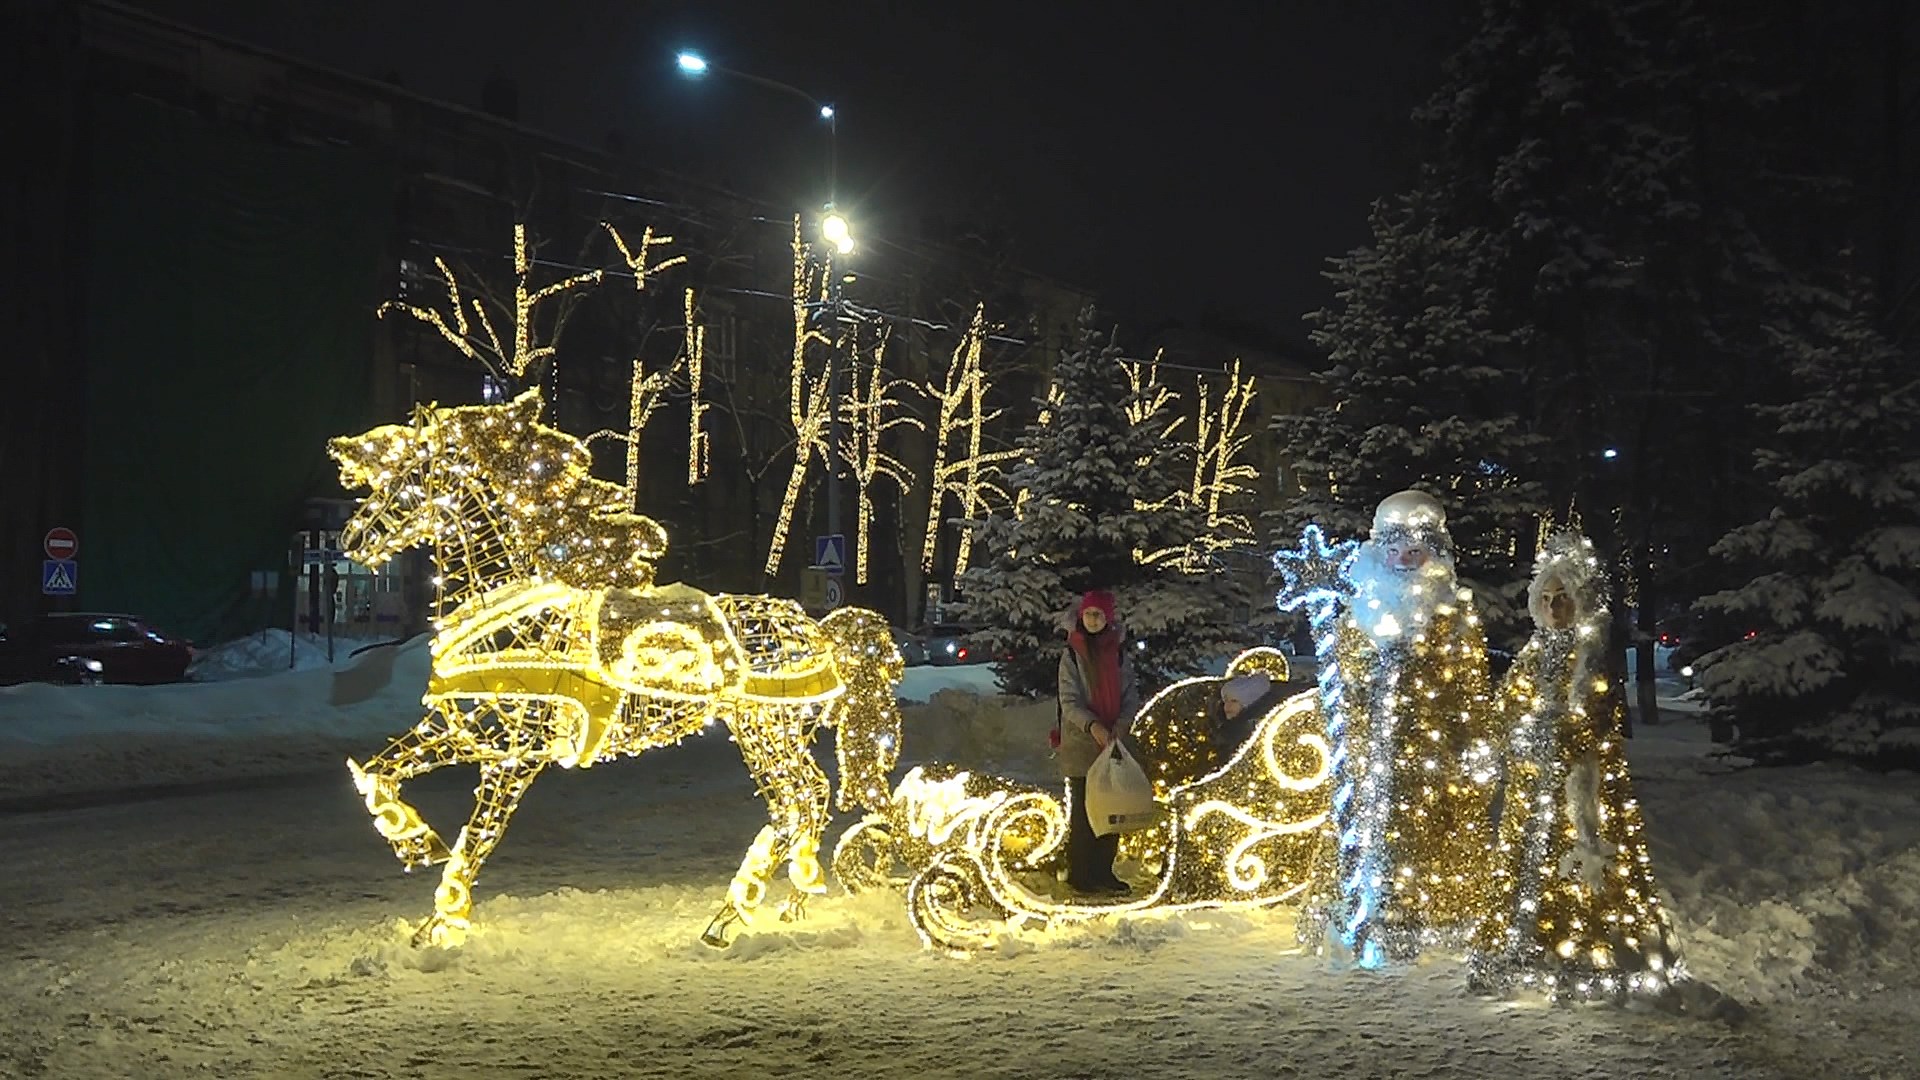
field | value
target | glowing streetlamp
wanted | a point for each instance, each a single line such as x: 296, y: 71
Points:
x: 834, y: 230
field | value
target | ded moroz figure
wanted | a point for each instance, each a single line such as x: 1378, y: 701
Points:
x: 1404, y: 857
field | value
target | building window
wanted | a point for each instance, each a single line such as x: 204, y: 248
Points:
x: 723, y: 347
x: 415, y: 277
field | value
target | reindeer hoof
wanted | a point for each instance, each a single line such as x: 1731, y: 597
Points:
x: 795, y: 907
x: 715, y: 935
x: 440, y: 932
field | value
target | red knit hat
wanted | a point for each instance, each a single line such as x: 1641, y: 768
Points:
x: 1096, y: 598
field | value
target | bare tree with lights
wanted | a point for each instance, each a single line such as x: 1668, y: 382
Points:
x: 808, y: 389
x: 968, y: 474
x: 469, y: 323
x: 870, y: 411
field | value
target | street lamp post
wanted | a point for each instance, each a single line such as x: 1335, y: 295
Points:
x: 836, y: 232
x: 696, y: 65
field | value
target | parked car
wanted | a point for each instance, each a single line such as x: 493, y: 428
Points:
x: 911, y: 648
x: 91, y: 647
x: 952, y: 644
x: 1688, y: 639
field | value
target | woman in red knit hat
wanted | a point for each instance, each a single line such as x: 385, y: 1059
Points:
x: 1098, y: 700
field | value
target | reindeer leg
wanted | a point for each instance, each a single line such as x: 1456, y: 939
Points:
x: 773, y: 741
x: 501, y: 786
x: 433, y: 743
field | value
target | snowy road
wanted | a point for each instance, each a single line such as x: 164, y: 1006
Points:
x: 255, y: 933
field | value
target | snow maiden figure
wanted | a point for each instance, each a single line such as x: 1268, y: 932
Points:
x: 1575, y: 914
x: 1404, y: 857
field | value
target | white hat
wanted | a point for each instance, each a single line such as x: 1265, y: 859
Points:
x: 1409, y: 509
x: 1246, y: 689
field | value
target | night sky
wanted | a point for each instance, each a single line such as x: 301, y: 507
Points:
x: 1191, y: 165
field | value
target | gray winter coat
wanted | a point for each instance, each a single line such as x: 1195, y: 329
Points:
x: 1077, y: 748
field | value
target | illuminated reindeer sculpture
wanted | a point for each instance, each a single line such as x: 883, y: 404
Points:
x: 554, y: 646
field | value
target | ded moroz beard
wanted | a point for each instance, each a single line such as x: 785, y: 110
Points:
x: 1390, y: 604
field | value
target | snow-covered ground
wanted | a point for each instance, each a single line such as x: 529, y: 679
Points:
x: 253, y: 929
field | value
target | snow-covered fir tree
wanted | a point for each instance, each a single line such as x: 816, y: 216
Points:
x: 1096, y: 496
x: 1422, y: 393
x: 1564, y: 311
x: 1833, y: 666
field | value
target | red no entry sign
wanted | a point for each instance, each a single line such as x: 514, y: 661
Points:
x: 61, y: 543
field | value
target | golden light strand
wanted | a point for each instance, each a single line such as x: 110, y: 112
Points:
x: 969, y: 478
x: 872, y: 411
x: 486, y: 352
x: 1219, y: 474
x: 1147, y: 397
x: 696, y: 351
x: 807, y: 393
x: 526, y: 301
x: 646, y: 389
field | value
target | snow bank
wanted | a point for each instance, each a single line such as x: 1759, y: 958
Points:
x: 271, y: 652
x: 921, y: 683
x: 63, y: 740
x: 1787, y: 882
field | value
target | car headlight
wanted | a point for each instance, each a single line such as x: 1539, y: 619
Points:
x: 90, y: 664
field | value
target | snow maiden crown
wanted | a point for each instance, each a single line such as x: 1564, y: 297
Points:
x: 1568, y: 558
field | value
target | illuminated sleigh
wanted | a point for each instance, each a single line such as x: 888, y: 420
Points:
x: 976, y: 854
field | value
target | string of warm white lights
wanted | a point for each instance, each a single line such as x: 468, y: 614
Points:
x: 560, y: 649
x: 696, y: 354
x: 976, y: 852
x: 1219, y: 474
x: 971, y: 478
x: 647, y: 389
x: 808, y: 391
x: 1148, y: 397
x: 1575, y: 912
x: 872, y: 410
x: 488, y: 350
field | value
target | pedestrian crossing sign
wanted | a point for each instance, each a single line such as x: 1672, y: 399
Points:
x: 59, y: 577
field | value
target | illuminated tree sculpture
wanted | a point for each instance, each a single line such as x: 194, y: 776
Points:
x: 975, y: 853
x: 871, y: 411
x: 970, y: 476
x: 1220, y: 476
x: 1151, y: 403
x: 808, y: 388
x: 562, y: 650
x: 468, y: 326
x: 648, y: 388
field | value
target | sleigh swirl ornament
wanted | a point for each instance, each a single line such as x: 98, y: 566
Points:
x: 555, y: 646
x: 974, y: 853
